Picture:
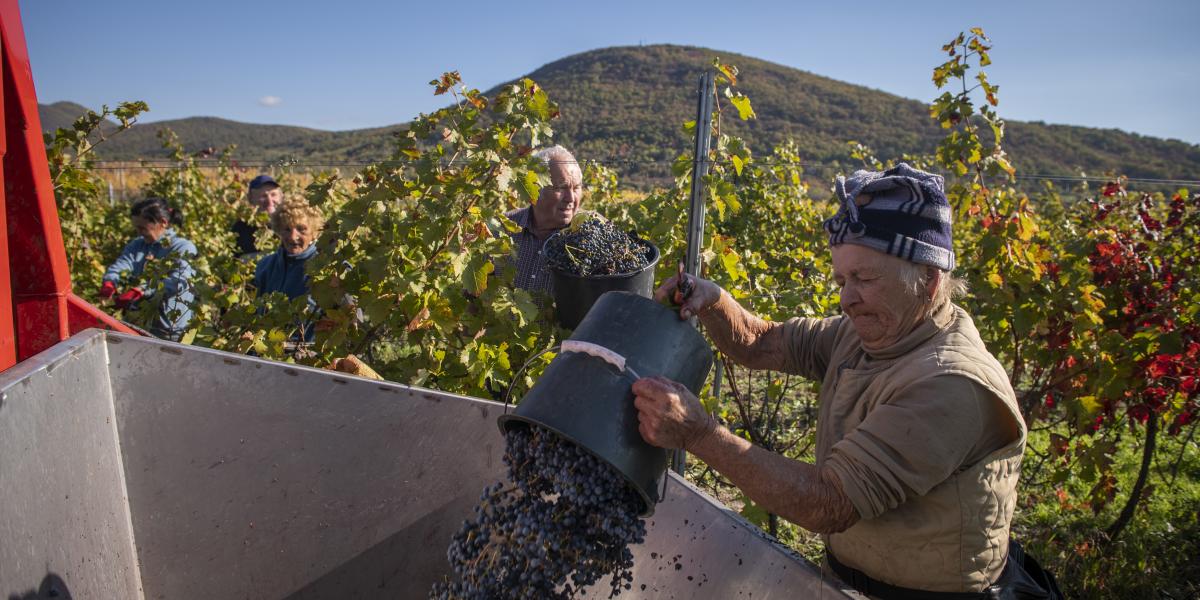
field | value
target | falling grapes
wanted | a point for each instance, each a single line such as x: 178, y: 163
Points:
x: 593, y: 246
x: 562, y: 521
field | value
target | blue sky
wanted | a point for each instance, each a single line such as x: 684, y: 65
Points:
x: 1127, y: 65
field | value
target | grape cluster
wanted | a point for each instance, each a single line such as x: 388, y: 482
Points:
x: 562, y: 521
x: 596, y: 247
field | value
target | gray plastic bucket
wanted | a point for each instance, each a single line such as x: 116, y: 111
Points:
x: 574, y: 295
x: 589, y: 401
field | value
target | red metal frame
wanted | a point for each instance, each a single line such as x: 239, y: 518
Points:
x: 37, y: 308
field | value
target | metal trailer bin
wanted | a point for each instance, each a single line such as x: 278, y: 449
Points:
x: 136, y: 468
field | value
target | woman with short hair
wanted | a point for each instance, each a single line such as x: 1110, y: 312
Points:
x: 153, y: 218
x: 297, y: 225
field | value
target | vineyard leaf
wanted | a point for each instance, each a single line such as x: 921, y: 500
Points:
x: 732, y: 264
x: 742, y: 104
x: 530, y: 187
x: 458, y: 263
x: 476, y: 274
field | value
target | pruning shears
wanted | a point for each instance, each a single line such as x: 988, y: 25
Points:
x: 683, y: 287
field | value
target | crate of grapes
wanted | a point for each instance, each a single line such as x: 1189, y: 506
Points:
x: 592, y: 256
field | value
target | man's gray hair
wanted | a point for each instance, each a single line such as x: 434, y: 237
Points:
x: 555, y: 154
x: 915, y: 280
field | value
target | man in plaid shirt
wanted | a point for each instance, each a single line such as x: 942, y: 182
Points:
x: 555, y: 206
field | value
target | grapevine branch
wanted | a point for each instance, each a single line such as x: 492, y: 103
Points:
x: 739, y: 403
x: 1135, y: 494
x: 90, y: 147
x: 441, y: 246
x: 1179, y: 458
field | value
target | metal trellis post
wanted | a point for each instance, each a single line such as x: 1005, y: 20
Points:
x: 695, y: 235
x: 695, y: 231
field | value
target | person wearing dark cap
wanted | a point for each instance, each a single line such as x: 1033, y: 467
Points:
x: 265, y: 195
x: 919, y: 435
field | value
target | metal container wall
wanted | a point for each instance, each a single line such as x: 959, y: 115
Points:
x: 64, y: 516
x: 134, y: 468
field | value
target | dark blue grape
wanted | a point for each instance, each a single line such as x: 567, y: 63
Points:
x: 563, y: 521
x: 596, y: 247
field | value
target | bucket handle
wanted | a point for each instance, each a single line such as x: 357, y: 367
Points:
x: 600, y: 352
x: 513, y: 381
x: 581, y: 347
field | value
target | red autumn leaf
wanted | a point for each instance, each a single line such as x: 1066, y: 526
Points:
x: 1139, y: 412
x: 1187, y: 384
x: 1059, y: 444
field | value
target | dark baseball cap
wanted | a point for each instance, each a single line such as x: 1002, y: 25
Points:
x: 263, y: 180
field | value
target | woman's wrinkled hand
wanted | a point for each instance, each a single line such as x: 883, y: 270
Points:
x: 669, y: 415
x: 704, y: 294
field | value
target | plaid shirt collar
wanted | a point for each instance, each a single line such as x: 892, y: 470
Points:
x: 531, y: 272
x: 525, y: 218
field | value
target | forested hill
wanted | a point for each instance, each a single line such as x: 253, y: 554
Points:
x: 629, y: 102
x: 61, y: 114
x: 626, y: 106
x: 254, y: 142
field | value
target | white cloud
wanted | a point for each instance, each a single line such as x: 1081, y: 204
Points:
x: 270, y: 101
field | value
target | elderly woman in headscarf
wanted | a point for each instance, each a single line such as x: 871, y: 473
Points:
x: 297, y: 225
x: 153, y: 219
x: 919, y: 436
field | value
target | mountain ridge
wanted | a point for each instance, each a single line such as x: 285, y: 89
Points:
x: 625, y: 105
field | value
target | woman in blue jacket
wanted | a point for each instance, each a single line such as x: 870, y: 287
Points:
x: 153, y: 219
x: 297, y: 225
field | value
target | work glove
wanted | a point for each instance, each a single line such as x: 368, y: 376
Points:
x: 129, y: 297
x: 108, y: 289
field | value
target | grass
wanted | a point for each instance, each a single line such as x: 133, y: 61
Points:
x: 1156, y: 556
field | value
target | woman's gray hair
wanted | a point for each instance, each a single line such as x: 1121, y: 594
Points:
x: 916, y: 279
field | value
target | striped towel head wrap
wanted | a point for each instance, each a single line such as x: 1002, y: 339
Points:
x: 907, y: 215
